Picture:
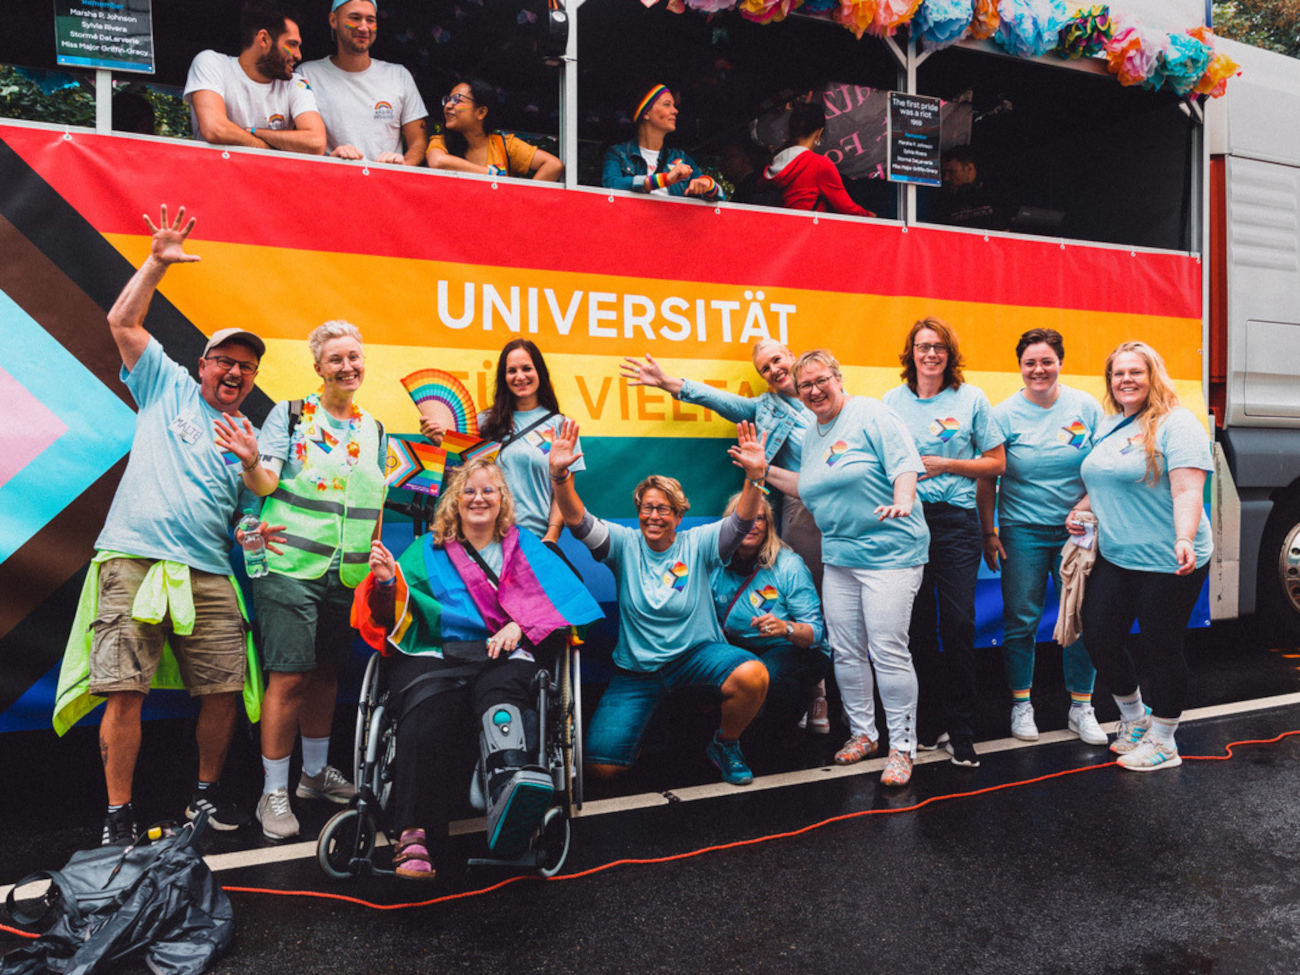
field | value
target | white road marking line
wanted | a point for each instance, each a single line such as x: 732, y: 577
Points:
x: 306, y: 850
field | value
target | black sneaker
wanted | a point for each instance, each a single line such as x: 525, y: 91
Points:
x: 120, y: 828
x: 223, y: 814
x: 962, y: 751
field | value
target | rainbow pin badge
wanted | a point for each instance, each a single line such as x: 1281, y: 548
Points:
x: 763, y: 599
x: 675, y: 578
x: 835, y: 451
x: 542, y: 439
x: 1132, y: 444
x: 1075, y: 434
x: 945, y: 428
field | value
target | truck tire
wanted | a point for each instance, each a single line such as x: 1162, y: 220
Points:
x: 1279, y: 572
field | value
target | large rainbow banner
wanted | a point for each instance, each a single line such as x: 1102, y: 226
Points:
x: 438, y: 272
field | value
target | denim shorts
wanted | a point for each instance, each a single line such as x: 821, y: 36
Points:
x: 628, y: 704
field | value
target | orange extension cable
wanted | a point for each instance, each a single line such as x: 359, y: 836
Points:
x: 324, y: 895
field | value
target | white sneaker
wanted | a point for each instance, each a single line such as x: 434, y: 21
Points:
x: 1022, y: 722
x: 1149, y: 755
x: 276, y: 815
x: 1083, y: 722
x: 1129, y: 733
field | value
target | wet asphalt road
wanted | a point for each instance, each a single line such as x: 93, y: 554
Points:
x: 1186, y: 870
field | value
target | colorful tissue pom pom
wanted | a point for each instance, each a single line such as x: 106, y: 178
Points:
x: 1030, y: 28
x: 1085, y: 34
x: 943, y: 22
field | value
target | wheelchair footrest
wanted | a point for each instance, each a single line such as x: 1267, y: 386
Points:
x: 516, y: 814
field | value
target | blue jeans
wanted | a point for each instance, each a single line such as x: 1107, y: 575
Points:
x: 1034, y: 553
x: 628, y: 704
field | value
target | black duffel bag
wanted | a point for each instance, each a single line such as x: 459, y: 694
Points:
x: 158, y: 901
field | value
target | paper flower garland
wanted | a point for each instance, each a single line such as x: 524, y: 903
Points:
x: 1030, y: 28
x: 942, y: 22
x: 1085, y: 35
x: 767, y: 11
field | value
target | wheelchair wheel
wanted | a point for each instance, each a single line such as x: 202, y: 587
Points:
x: 552, y: 842
x: 366, y: 697
x: 347, y: 836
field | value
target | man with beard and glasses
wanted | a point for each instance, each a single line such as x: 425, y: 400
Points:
x: 256, y: 99
x: 371, y: 107
x: 161, y: 571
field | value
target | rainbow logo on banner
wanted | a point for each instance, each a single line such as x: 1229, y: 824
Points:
x: 1075, y: 434
x: 945, y: 428
x: 434, y: 385
x: 675, y: 578
x: 835, y: 451
x: 764, y: 599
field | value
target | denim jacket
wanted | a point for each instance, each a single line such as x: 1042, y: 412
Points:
x: 771, y: 412
x: 624, y: 168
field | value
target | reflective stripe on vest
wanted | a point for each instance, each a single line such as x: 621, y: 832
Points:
x: 319, y: 517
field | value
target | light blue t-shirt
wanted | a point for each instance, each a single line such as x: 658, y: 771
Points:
x: 1135, y: 520
x: 663, y: 597
x: 179, y: 494
x: 1044, y: 450
x: 527, y: 470
x: 847, y: 471
x: 785, y: 590
x: 957, y: 423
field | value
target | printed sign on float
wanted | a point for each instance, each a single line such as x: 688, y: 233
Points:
x: 914, y: 130
x: 112, y: 34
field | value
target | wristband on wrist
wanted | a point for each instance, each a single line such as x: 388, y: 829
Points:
x: 758, y: 484
x: 389, y: 582
x: 1184, y: 538
x: 249, y: 468
x: 560, y: 480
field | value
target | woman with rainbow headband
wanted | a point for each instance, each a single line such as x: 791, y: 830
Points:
x: 959, y: 442
x: 321, y: 470
x: 644, y: 165
x: 1145, y: 478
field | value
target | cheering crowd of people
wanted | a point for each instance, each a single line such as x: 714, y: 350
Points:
x: 850, y: 552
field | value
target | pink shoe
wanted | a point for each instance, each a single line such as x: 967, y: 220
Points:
x: 819, y: 720
x: 412, y: 857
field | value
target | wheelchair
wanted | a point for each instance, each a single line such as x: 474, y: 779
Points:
x: 347, y: 843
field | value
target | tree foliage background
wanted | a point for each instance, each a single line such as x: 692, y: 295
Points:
x: 1271, y: 24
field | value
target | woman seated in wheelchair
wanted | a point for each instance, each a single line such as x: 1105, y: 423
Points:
x: 469, y: 614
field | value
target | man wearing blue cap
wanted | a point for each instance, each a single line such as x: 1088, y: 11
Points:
x: 256, y: 99
x: 371, y: 107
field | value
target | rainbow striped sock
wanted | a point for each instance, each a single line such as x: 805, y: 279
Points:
x: 1080, y: 699
x: 1020, y: 697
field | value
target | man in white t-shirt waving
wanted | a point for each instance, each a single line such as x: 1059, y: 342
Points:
x: 256, y: 99
x: 371, y: 108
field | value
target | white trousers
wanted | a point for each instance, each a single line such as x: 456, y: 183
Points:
x: 868, y: 612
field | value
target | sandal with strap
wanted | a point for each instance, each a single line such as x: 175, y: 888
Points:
x: 855, y: 750
x: 412, y: 856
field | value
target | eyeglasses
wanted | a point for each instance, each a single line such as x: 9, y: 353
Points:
x: 487, y: 491
x: 455, y: 98
x: 662, y: 510
x: 925, y: 348
x: 226, y: 363
x: 821, y: 383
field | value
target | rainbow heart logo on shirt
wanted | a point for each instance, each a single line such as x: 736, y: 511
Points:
x: 542, y: 440
x: 1075, y: 434
x: 764, y: 599
x: 675, y: 578
x: 945, y: 427
x: 1132, y: 443
x: 835, y: 451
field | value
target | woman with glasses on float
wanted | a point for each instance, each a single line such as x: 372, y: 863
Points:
x: 668, y: 632
x: 952, y: 423
x: 468, y: 145
x: 857, y: 476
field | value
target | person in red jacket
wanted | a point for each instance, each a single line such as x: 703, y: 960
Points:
x: 806, y: 179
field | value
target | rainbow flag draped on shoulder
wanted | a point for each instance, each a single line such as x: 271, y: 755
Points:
x: 442, y: 595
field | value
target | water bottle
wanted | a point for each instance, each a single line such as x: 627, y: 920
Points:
x: 254, y: 547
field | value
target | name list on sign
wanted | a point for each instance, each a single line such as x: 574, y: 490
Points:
x: 112, y: 34
x: 914, y: 131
